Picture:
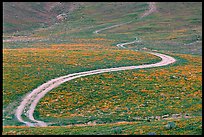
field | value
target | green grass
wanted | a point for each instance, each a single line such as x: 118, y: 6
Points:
x: 115, y: 96
x: 24, y: 71
x: 191, y: 126
x: 159, y: 29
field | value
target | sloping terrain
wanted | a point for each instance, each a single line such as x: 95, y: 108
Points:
x: 92, y: 37
x: 18, y: 16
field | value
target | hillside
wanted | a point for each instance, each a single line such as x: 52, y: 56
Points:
x: 102, y: 67
x: 19, y: 16
x: 165, y: 30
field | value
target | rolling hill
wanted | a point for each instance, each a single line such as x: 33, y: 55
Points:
x: 43, y: 41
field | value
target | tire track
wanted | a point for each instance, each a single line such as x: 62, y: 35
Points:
x: 152, y: 8
x: 38, y: 93
x: 110, y: 27
x: 30, y: 101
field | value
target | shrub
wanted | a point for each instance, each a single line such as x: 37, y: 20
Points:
x: 151, y: 133
x: 170, y: 125
x: 117, y: 130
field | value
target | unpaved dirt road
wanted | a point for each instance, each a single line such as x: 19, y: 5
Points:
x: 30, y: 101
x: 110, y: 27
x: 152, y: 8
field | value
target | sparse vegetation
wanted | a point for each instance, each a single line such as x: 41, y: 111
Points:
x: 121, y: 102
x: 191, y: 126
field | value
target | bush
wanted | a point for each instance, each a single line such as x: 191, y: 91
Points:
x: 117, y: 130
x: 151, y: 133
x: 170, y: 125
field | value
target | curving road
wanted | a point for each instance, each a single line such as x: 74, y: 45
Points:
x: 152, y: 8
x: 33, y: 98
x: 110, y: 27
x: 30, y: 101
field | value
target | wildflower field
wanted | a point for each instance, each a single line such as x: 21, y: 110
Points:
x: 122, y: 96
x: 164, y: 100
x: 183, y: 127
x: 25, y: 69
